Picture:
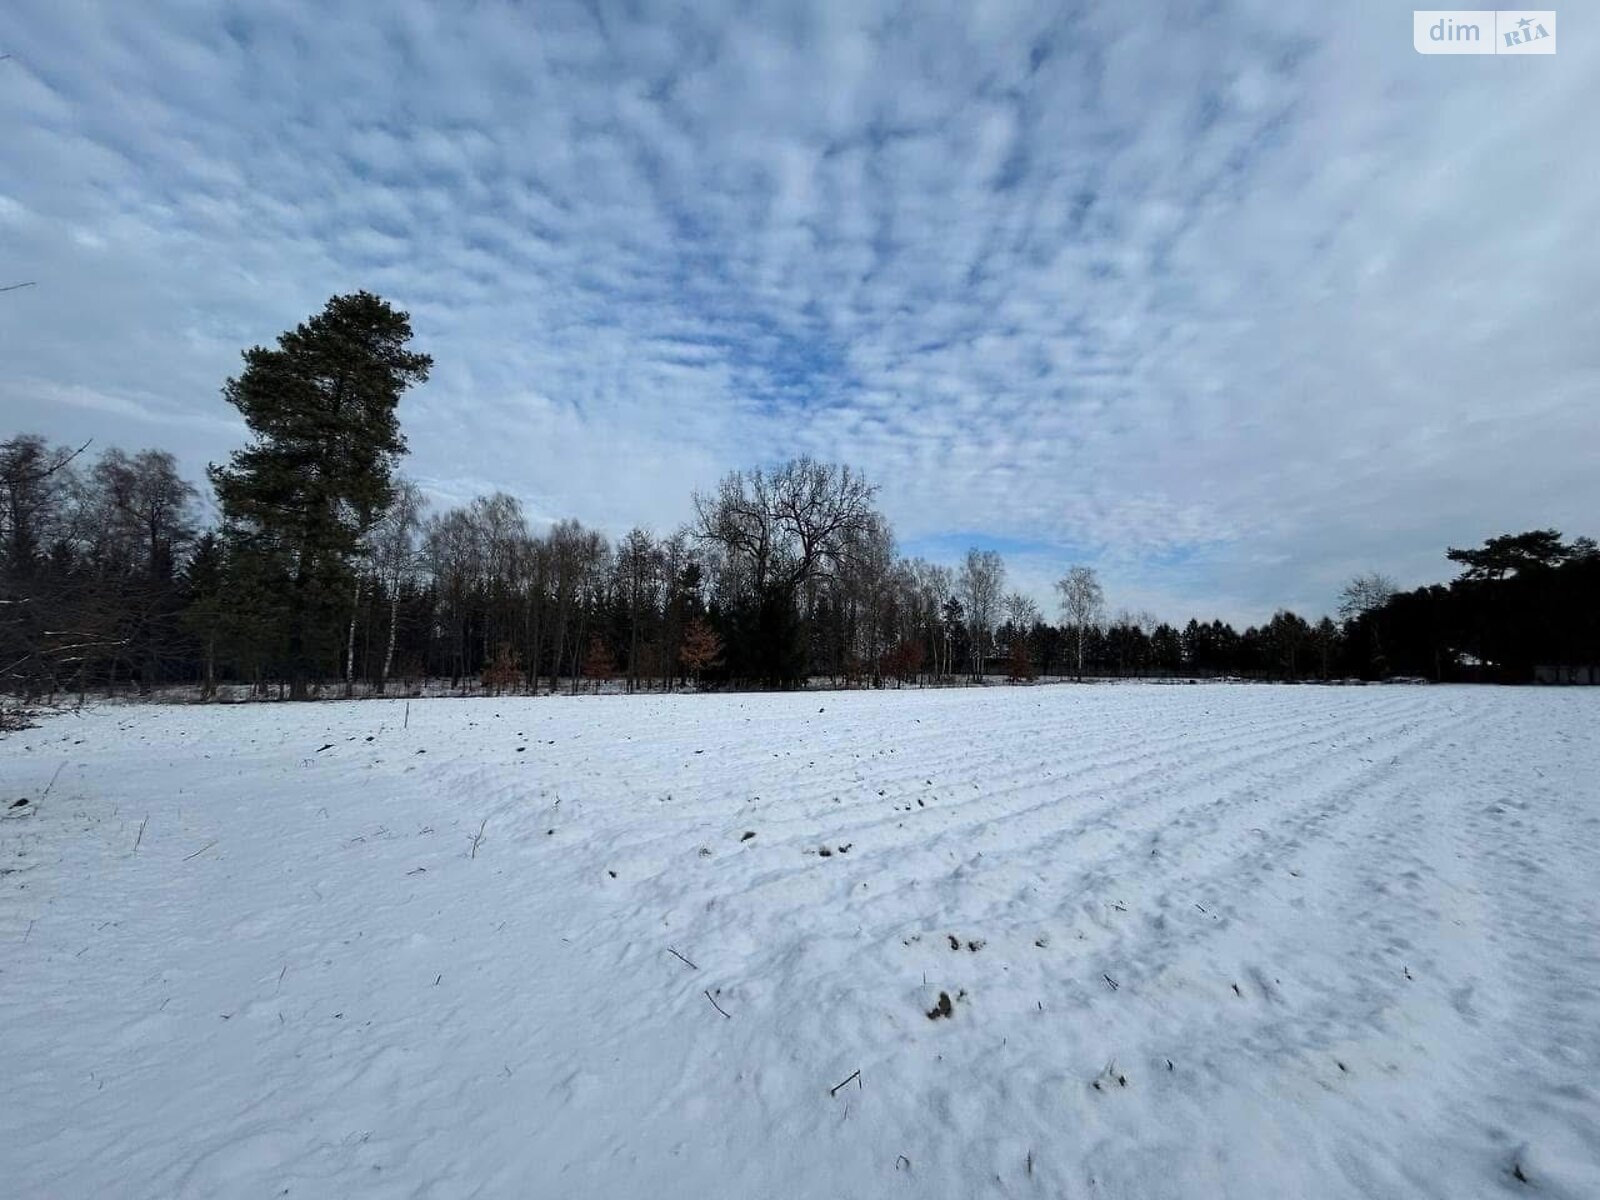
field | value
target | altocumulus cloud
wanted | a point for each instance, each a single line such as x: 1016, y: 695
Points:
x: 1232, y: 299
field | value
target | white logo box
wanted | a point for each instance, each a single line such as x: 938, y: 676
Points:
x: 1483, y: 31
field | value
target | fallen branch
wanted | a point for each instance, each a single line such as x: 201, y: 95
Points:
x: 717, y: 1006
x: 680, y: 957
x: 200, y: 851
x: 856, y: 1075
x: 52, y: 782
x: 140, y: 838
x: 478, y: 837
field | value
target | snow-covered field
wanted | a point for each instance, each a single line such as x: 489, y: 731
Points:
x: 1195, y: 941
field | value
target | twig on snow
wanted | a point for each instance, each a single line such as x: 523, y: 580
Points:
x: 1114, y: 984
x: 53, y: 779
x: 717, y: 1006
x: 140, y: 838
x: 856, y: 1075
x: 478, y: 837
x: 680, y: 957
x: 200, y: 851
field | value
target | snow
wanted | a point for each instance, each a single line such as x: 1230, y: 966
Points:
x: 1213, y: 941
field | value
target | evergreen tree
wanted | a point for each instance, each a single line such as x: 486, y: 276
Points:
x: 319, y: 468
x: 203, y: 582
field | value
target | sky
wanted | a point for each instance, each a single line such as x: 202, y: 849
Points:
x: 1230, y: 300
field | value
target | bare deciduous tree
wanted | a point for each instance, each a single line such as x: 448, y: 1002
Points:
x: 982, y: 577
x: 394, y: 557
x: 1364, y: 594
x: 792, y: 525
x: 638, y: 577
x: 1082, y: 603
x: 1020, y: 611
x: 576, y: 557
x: 781, y: 533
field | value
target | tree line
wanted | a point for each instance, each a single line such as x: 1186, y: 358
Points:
x: 328, y: 574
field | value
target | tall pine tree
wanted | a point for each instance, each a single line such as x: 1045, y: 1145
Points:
x: 319, y: 468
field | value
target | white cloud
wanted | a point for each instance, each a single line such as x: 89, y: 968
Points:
x: 1234, y: 301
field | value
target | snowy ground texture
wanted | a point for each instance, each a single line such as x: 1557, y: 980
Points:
x: 1196, y: 941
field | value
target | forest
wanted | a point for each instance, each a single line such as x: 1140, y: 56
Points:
x: 327, y: 574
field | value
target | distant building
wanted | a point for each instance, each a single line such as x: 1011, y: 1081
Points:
x: 1581, y: 676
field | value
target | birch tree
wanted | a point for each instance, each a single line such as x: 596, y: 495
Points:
x: 395, y: 557
x: 982, y: 577
x: 1082, y: 604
